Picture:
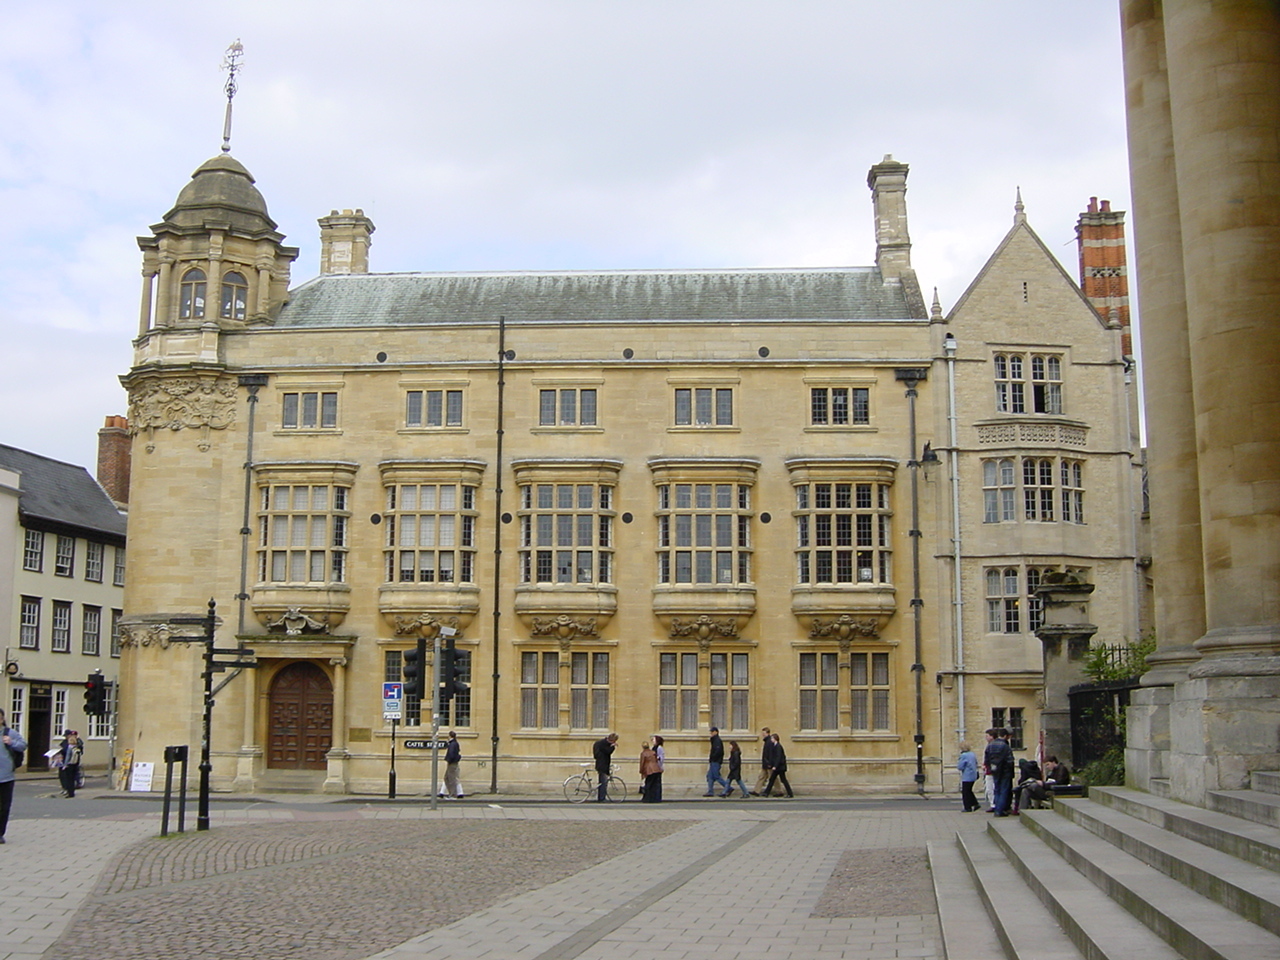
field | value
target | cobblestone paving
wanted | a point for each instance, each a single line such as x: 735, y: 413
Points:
x: 326, y: 890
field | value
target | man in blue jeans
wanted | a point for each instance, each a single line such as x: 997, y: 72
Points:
x: 602, y: 753
x: 999, y: 760
x: 713, y: 765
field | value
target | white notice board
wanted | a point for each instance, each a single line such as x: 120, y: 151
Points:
x: 140, y: 778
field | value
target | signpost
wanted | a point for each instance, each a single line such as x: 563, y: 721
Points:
x: 393, y: 710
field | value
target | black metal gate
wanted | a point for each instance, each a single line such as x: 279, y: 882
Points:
x: 1097, y: 718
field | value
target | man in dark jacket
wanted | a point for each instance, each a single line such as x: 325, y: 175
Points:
x: 999, y: 760
x: 766, y: 761
x: 602, y: 753
x: 453, y: 760
x: 779, y: 772
x: 714, y: 760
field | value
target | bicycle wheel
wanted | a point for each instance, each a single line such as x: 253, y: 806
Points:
x: 615, y: 790
x: 579, y: 788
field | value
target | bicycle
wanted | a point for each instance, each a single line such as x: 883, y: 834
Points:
x: 582, y: 786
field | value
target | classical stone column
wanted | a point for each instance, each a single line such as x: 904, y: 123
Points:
x: 1064, y: 634
x: 336, y: 774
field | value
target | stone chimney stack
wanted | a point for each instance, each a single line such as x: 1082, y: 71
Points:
x: 1104, y: 274
x: 115, y: 454
x: 344, y: 242
x: 888, y: 183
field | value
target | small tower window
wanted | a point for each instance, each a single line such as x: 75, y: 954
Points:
x: 191, y: 298
x: 235, y: 296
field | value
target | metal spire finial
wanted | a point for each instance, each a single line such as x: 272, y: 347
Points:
x: 231, y: 64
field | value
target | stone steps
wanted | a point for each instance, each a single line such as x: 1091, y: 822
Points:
x: 1122, y: 874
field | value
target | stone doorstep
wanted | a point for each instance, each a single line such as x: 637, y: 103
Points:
x: 1248, y: 890
x: 1253, y: 805
x: 1195, y: 925
x: 1245, y: 839
x: 1022, y: 924
x: 966, y: 929
x: 1093, y: 922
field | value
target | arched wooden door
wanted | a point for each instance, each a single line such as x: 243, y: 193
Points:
x: 301, y: 730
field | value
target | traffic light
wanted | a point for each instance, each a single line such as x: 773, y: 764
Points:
x: 95, y: 695
x: 413, y: 661
x: 451, y: 671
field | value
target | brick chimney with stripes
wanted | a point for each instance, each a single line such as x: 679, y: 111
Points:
x: 1104, y: 273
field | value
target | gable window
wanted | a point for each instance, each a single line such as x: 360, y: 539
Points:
x: 302, y: 533
x: 33, y: 551
x: 431, y: 533
x: 566, y: 533
x: 93, y: 555
x: 309, y: 411
x: 704, y: 406
x: 704, y: 533
x: 999, y: 494
x: 433, y: 408
x: 1016, y: 393
x: 91, y: 631
x: 61, y: 642
x: 64, y: 562
x: 29, y: 624
x: 191, y: 295
x: 869, y: 689
x: 1004, y: 598
x: 235, y: 296
x: 567, y: 408
x: 839, y: 406
x: 843, y: 533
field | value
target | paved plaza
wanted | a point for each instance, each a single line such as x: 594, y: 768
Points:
x: 486, y: 878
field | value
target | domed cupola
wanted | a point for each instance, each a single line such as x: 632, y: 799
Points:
x: 221, y: 189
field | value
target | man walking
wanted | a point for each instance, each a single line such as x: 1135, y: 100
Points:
x: 766, y: 761
x: 999, y: 760
x: 12, y: 744
x: 714, y: 760
x: 602, y: 752
x: 452, y: 760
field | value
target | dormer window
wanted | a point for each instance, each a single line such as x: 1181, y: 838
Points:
x: 235, y: 296
x: 191, y: 295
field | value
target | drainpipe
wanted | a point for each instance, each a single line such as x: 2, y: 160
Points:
x: 911, y: 377
x: 254, y: 382
x: 497, y: 550
x: 957, y: 596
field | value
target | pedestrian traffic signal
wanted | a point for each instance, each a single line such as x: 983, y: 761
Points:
x: 95, y: 696
x: 413, y: 661
x: 452, y: 669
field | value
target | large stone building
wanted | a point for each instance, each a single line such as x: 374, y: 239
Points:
x: 62, y: 569
x: 1203, y: 94
x: 647, y: 501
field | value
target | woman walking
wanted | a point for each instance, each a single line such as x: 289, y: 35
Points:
x: 735, y: 771
x: 648, y: 770
x: 653, y: 782
x: 70, y: 750
x: 967, y: 764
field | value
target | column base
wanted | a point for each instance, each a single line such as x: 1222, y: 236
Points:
x: 1221, y: 729
x: 1146, y: 755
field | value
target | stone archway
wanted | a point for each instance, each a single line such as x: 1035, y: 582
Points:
x: 300, y: 728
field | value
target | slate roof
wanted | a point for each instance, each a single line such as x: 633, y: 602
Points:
x: 57, y: 495
x: 396, y: 299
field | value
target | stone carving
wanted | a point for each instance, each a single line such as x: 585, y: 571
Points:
x: 294, y: 622
x: 843, y: 628
x: 564, y: 627
x: 157, y: 634
x: 703, y: 628
x: 426, y: 625
x: 177, y: 403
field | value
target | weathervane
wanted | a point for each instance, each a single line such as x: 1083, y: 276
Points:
x: 231, y: 64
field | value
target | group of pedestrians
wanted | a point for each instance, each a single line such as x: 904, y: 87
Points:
x: 1003, y: 797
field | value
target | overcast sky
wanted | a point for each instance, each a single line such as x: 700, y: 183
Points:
x: 529, y: 134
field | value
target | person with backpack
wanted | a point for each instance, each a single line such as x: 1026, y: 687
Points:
x: 11, y: 758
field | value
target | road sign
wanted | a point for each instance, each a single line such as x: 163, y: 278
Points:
x: 393, y: 691
x: 426, y: 744
x: 392, y: 701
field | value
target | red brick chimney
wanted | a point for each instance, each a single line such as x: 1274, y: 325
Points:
x: 1104, y: 273
x: 115, y: 452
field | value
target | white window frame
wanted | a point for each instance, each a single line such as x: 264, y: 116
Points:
x: 17, y: 714
x: 33, y: 551
x: 64, y: 558
x: 29, y: 623
x: 117, y: 567
x: 60, y: 627
x: 91, y: 630
x: 60, y: 721
x: 94, y: 554
x: 1004, y: 599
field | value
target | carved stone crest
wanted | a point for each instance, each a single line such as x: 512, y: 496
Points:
x: 564, y: 627
x: 294, y: 622
x: 843, y: 628
x: 703, y: 628
x: 181, y: 403
x: 425, y: 625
